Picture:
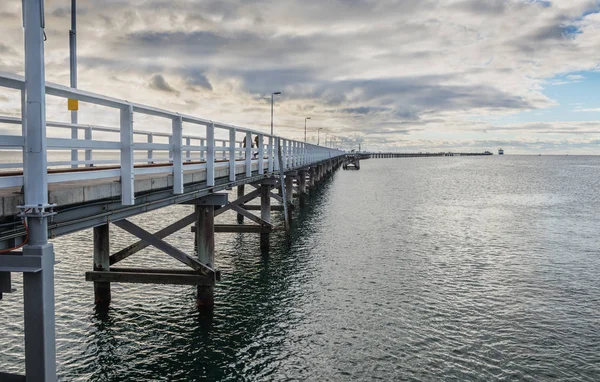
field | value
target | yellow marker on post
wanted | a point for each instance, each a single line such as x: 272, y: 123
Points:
x: 72, y: 104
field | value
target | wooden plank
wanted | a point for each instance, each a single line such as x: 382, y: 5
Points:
x: 251, y: 207
x: 149, y: 278
x: 250, y: 216
x: 154, y: 270
x: 163, y: 246
x: 276, y: 197
x: 241, y: 228
x: 136, y: 247
x: 244, y: 199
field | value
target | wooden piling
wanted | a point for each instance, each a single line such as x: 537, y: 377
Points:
x: 101, y: 263
x: 289, y: 195
x: 265, y: 213
x: 302, y: 186
x: 205, y: 238
x: 240, y: 193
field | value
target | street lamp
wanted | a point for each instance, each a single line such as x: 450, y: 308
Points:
x: 305, y: 128
x: 273, y: 94
x: 319, y: 136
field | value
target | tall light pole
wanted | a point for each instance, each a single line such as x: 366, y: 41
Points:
x: 73, y: 104
x: 305, y: 128
x: 272, y: 96
x: 319, y: 136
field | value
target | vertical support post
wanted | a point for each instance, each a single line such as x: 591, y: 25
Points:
x: 205, y: 239
x: 88, y: 152
x: 176, y: 142
x: 202, y: 144
x: 102, y: 263
x: 276, y: 151
x: 261, y: 155
x: 224, y: 144
x: 311, y: 173
x: 210, y: 154
x: 38, y: 287
x: 289, y: 195
x: 127, y: 170
x: 150, y: 140
x: 302, y: 186
x: 248, y: 154
x: 265, y: 214
x: 240, y: 193
x: 232, y: 155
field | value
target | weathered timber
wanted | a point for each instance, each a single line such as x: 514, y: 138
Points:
x: 205, y: 239
x: 142, y: 277
x: 138, y: 246
x: 244, y: 199
x: 101, y: 263
x: 164, y: 247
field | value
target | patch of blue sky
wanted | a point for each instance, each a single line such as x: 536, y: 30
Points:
x: 576, y: 96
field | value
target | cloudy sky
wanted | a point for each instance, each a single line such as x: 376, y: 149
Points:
x: 462, y: 75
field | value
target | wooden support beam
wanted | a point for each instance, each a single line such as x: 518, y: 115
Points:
x: 141, y: 277
x: 241, y: 228
x: 240, y: 193
x: 171, y: 229
x: 205, y: 247
x: 276, y: 197
x: 164, y: 247
x: 244, y: 199
x: 252, y: 207
x: 250, y: 216
x: 101, y: 263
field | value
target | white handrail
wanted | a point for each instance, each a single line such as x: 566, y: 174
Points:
x: 295, y: 154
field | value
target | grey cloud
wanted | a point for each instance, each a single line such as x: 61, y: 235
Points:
x: 196, y: 79
x: 5, y: 49
x: 158, y: 82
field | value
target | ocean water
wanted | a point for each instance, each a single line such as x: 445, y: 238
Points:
x: 420, y: 269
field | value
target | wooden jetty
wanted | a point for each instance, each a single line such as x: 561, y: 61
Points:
x: 152, y: 170
x: 423, y: 155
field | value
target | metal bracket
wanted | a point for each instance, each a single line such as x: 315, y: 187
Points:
x: 36, y: 210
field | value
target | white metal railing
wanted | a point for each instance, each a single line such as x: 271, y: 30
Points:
x: 185, y: 152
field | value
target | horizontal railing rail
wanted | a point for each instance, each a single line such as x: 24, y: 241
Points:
x: 136, y: 151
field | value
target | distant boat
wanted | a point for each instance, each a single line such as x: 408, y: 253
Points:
x: 500, y: 152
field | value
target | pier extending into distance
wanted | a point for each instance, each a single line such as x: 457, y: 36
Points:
x: 127, y: 171
x: 150, y: 169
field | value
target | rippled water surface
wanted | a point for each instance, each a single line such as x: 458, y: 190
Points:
x: 409, y: 269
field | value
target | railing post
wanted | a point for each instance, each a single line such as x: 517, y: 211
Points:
x: 275, y: 149
x: 248, y: 154
x: 270, y: 155
x: 232, y: 154
x: 261, y: 155
x: 88, y: 152
x: 210, y: 154
x: 202, y: 143
x: 150, y: 140
x: 224, y: 153
x: 188, y: 153
x: 127, y: 170
x: 284, y: 155
x: 177, y: 125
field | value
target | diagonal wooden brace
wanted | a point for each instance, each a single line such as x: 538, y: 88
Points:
x: 244, y: 199
x: 136, y: 247
x: 163, y: 246
x: 251, y: 216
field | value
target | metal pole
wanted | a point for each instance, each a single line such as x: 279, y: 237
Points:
x: 272, y: 95
x: 38, y: 287
x: 73, y: 68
